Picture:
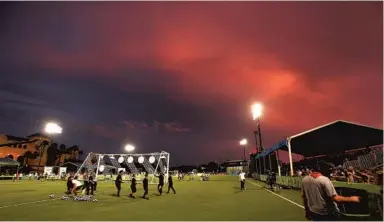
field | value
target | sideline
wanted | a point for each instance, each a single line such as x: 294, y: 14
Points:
x: 21, y: 204
x: 292, y: 202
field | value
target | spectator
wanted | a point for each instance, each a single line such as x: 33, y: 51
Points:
x: 319, y: 197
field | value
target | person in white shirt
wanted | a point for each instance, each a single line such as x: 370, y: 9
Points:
x: 77, y: 186
x: 242, y: 180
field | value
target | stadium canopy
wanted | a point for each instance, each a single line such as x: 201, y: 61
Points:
x: 8, y: 162
x: 331, y: 138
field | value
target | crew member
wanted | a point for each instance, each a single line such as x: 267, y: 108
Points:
x: 145, y: 187
x: 69, y: 185
x: 319, y: 197
x: 133, y: 187
x: 170, y: 184
x: 77, y: 186
x: 86, y: 182
x: 161, y: 183
x: 118, y: 182
x: 242, y: 180
x: 91, y: 184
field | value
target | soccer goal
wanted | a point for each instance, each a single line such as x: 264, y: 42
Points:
x: 106, y: 166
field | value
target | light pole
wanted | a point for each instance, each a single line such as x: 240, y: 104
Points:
x: 52, y: 129
x: 243, y: 143
x: 257, y: 110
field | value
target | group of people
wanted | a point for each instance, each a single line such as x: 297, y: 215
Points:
x: 74, y: 185
x: 145, y: 182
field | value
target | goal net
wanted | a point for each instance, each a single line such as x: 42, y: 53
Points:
x: 107, y: 166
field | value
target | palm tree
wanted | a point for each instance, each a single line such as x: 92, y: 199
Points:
x: 41, y: 149
x: 27, y: 155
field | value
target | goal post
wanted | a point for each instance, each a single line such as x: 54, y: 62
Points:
x: 106, y: 166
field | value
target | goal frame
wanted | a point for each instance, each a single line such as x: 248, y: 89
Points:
x: 158, y: 156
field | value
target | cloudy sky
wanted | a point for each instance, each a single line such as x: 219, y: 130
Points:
x: 181, y: 76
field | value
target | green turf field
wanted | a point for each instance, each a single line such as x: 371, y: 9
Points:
x: 218, y: 199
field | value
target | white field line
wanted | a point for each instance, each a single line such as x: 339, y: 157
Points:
x: 21, y: 204
x: 292, y: 202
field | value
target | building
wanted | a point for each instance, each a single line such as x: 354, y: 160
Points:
x: 36, y: 150
x: 13, y: 146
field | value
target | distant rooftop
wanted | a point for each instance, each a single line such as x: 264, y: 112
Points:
x: 16, y: 138
x: 38, y: 135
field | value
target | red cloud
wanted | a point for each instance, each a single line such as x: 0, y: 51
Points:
x: 308, y: 63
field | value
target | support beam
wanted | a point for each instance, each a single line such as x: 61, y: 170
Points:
x: 290, y: 157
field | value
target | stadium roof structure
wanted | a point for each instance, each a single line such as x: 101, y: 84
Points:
x: 8, y: 162
x: 331, y: 138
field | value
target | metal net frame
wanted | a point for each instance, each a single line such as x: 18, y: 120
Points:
x: 152, y: 163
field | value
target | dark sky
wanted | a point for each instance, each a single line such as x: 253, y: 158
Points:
x: 181, y: 76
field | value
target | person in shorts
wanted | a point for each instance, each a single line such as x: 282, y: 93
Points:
x: 77, y: 186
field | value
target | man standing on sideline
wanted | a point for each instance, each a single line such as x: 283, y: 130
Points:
x: 319, y: 197
x: 242, y: 180
x: 145, y: 187
x: 118, y: 182
x: 170, y: 184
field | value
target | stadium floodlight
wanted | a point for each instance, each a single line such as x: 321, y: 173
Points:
x: 53, y: 128
x: 257, y: 109
x: 243, y: 142
x: 120, y: 160
x: 129, y: 148
x: 152, y: 159
x: 130, y: 159
x: 141, y: 159
x: 101, y: 168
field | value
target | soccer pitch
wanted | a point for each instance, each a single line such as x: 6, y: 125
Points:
x: 218, y: 199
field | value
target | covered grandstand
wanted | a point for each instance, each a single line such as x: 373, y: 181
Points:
x: 330, y: 139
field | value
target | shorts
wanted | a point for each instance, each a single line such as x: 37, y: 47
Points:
x: 133, y: 189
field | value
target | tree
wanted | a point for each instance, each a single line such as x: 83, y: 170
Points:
x: 212, y: 166
x: 63, y: 147
x: 27, y: 155
x: 20, y: 159
x: 52, y: 154
x: 41, y: 148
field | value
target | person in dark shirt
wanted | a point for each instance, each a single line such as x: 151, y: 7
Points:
x: 86, y: 182
x: 170, y: 184
x: 133, y: 187
x: 145, y: 187
x: 69, y: 185
x: 161, y: 183
x: 118, y: 182
x: 91, y: 185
